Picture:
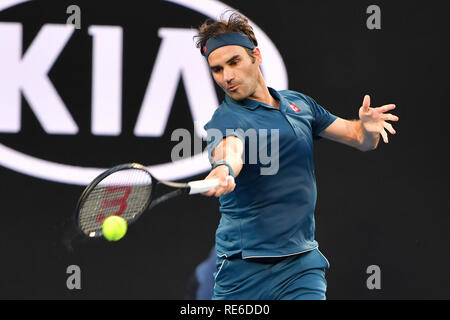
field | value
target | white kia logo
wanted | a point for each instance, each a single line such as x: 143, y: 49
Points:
x: 26, y: 73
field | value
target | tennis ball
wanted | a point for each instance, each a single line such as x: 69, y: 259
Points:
x: 114, y: 228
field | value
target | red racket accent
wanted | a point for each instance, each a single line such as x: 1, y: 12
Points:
x: 120, y: 202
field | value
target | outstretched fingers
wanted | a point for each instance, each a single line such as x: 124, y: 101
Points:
x: 366, y: 103
x: 390, y: 117
x: 384, y: 136
x: 386, y: 108
x: 389, y: 128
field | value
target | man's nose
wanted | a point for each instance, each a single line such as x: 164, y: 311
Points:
x: 228, y: 75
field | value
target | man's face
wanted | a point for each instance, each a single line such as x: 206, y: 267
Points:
x: 234, y: 71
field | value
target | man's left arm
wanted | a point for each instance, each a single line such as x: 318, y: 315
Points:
x: 363, y: 134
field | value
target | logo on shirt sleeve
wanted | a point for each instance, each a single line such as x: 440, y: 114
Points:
x: 294, y: 107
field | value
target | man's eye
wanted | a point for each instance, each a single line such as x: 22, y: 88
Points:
x: 232, y: 63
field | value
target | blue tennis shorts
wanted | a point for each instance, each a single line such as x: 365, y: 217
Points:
x: 298, y: 277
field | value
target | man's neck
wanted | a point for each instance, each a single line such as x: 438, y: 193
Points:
x: 263, y: 95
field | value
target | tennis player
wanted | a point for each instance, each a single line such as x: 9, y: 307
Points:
x: 265, y: 239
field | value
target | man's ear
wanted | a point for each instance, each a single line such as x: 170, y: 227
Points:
x: 257, y: 55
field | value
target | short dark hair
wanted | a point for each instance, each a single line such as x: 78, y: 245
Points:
x: 237, y: 22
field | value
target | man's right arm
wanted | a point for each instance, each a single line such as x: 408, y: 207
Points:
x: 230, y: 150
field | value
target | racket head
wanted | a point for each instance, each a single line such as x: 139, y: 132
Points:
x: 125, y: 190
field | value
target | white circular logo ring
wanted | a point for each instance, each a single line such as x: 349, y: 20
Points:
x: 274, y: 72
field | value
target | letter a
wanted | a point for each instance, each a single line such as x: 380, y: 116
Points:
x: 374, y: 21
x: 374, y: 281
x: 74, y: 280
x: 75, y: 18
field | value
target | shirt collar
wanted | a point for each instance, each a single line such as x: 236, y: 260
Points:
x: 247, y: 103
x: 253, y: 104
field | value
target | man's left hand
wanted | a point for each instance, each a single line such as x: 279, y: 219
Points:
x: 374, y: 119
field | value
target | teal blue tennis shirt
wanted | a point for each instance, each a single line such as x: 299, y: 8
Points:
x: 270, y: 215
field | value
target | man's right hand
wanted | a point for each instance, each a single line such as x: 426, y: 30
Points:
x: 229, y: 149
x: 226, y: 181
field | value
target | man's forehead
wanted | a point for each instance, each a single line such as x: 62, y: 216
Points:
x: 223, y: 54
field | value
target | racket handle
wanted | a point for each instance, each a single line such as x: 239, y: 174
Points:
x: 200, y: 186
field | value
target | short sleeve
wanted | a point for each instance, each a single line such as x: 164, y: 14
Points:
x: 220, y: 127
x: 322, y: 118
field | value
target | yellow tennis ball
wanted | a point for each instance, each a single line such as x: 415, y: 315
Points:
x: 114, y: 228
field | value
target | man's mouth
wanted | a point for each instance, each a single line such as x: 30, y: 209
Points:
x: 233, y: 88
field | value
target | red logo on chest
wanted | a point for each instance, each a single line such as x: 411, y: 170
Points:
x: 294, y: 107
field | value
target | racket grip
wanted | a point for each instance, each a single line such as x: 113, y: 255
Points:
x: 200, y: 186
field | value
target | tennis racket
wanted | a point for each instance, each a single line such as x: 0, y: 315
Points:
x: 127, y: 190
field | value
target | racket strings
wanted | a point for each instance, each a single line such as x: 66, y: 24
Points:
x: 125, y: 193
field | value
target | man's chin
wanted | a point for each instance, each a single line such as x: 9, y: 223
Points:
x: 235, y: 95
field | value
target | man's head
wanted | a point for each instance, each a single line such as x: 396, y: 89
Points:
x: 230, y: 48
